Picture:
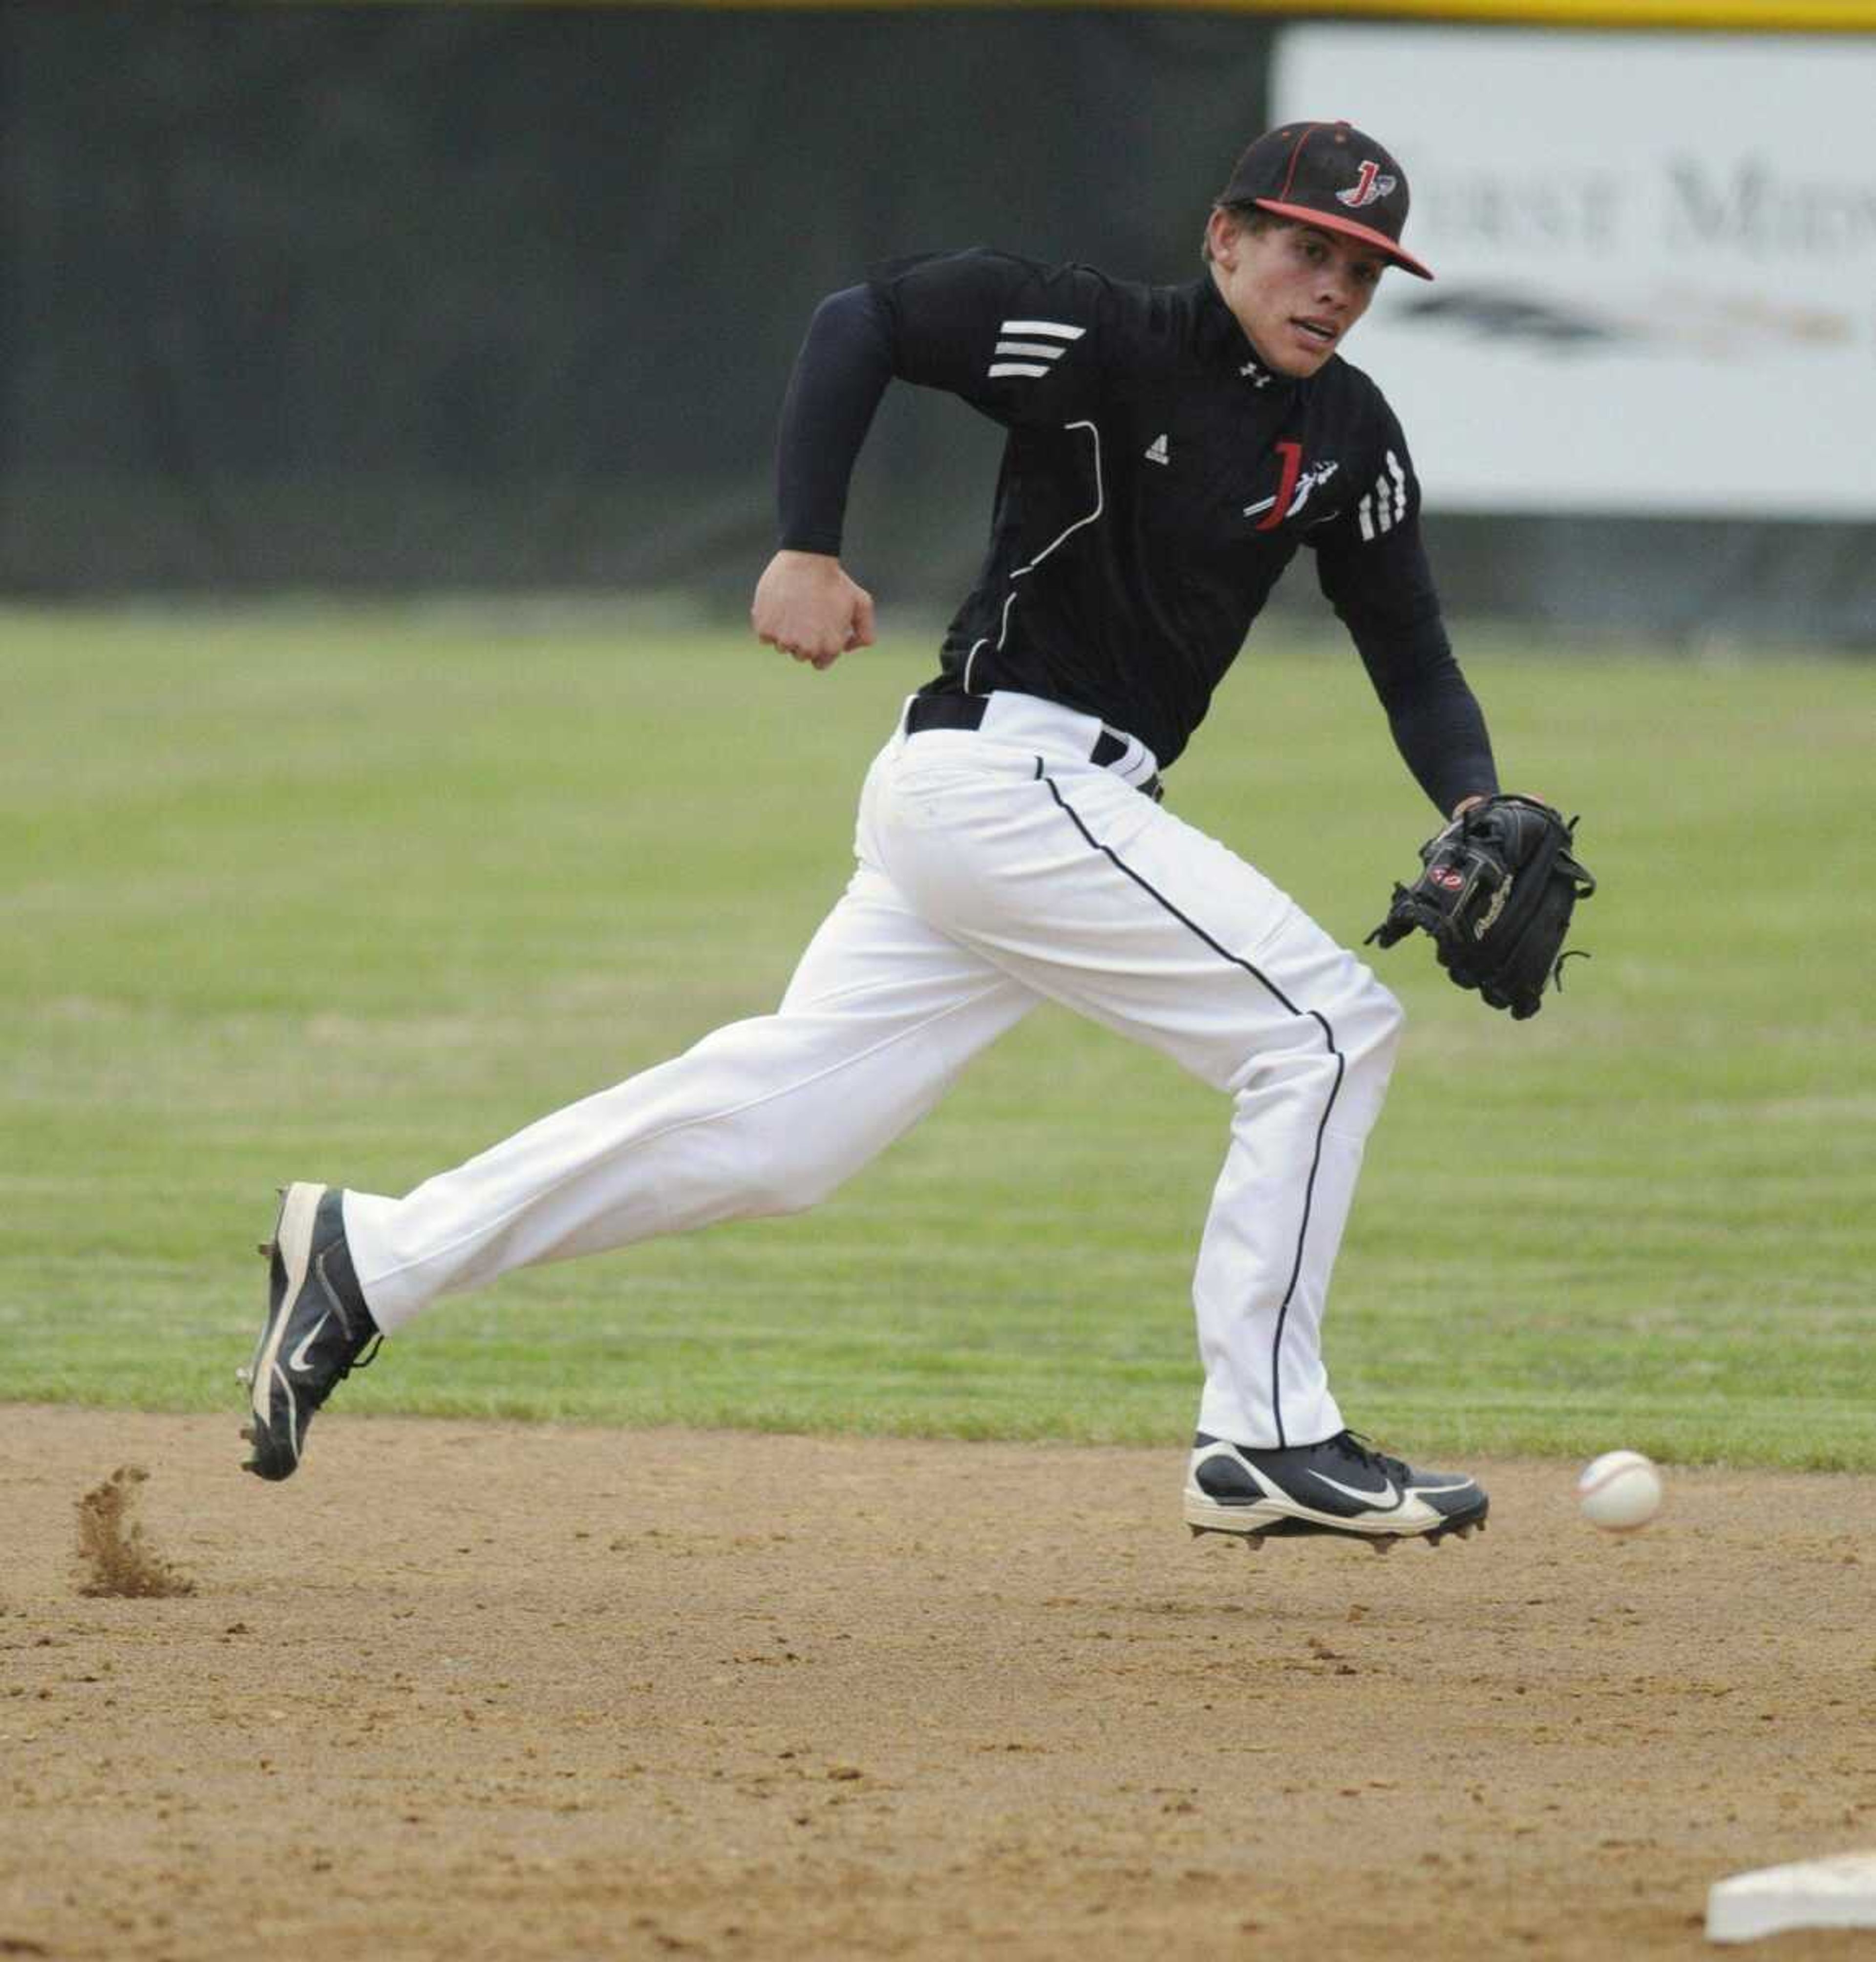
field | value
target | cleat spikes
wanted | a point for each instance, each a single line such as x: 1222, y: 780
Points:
x: 265, y: 1248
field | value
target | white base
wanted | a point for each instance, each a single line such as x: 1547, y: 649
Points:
x: 1836, y: 1892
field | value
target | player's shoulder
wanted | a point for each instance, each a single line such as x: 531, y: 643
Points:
x: 1340, y: 380
x: 991, y: 264
x: 989, y: 274
x: 1349, y: 396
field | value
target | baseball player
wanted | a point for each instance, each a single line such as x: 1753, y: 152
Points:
x: 1170, y: 450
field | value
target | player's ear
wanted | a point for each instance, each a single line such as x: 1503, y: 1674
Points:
x: 1220, y: 237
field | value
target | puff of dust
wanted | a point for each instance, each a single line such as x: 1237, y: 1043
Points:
x: 115, y: 1558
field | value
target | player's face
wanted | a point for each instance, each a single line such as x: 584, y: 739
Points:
x: 1295, y: 291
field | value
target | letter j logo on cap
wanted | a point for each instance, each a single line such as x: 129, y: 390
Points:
x: 1369, y: 186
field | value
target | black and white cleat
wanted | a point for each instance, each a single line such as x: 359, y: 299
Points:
x: 317, y: 1330
x: 1342, y: 1487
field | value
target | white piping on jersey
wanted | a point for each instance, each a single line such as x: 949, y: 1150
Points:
x: 1047, y: 349
x: 1386, y: 506
x: 1100, y: 505
x: 1017, y: 368
x: 1060, y: 328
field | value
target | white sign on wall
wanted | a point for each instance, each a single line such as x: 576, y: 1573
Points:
x: 1656, y: 258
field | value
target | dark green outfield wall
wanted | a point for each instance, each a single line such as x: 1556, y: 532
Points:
x: 386, y: 297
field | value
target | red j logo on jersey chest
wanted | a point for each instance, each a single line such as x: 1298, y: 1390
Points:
x: 1291, y: 454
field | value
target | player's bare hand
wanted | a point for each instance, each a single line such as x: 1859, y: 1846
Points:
x: 806, y: 606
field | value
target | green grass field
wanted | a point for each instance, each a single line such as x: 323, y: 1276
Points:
x: 348, y: 895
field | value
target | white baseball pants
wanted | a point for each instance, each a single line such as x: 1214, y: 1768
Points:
x: 997, y: 866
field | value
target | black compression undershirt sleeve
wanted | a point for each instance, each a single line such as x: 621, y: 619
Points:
x: 845, y: 363
x: 1382, y: 588
x: 1438, y: 725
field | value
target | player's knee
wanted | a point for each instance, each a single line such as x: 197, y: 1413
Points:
x: 788, y: 1189
x: 1370, y: 1030
x: 1390, y: 1019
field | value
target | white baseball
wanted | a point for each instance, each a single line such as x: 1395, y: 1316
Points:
x: 1619, y: 1491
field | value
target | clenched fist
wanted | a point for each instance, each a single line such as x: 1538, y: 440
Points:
x: 806, y: 606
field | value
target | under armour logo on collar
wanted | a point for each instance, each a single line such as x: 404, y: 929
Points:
x: 1257, y: 374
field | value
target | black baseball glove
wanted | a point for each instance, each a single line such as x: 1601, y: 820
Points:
x: 1497, y: 893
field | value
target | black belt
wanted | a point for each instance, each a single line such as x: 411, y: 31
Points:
x: 966, y: 712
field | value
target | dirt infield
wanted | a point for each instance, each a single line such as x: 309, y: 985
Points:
x: 468, y: 1690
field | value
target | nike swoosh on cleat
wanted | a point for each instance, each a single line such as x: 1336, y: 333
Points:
x: 1387, y: 1499
x: 297, y: 1361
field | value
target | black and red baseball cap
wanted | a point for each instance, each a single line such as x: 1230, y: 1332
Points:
x: 1330, y: 175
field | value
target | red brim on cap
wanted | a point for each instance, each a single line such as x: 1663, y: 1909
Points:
x: 1323, y: 221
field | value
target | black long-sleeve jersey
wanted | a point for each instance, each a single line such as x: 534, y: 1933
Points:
x: 1157, y: 480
